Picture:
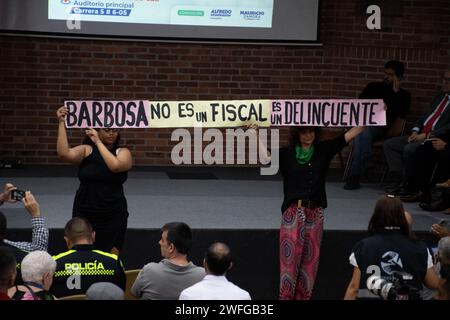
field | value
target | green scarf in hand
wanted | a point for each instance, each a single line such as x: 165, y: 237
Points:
x: 303, y: 155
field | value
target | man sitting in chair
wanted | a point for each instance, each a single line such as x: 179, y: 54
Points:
x: 400, y: 151
x: 397, y: 101
x: 83, y: 265
x: 166, y: 279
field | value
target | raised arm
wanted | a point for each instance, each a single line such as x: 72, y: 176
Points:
x: 122, y: 161
x: 71, y: 155
x: 352, y: 133
x: 39, y: 230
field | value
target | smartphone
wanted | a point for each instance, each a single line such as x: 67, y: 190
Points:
x: 428, y: 140
x: 17, y: 194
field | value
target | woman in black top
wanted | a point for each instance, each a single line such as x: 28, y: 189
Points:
x: 304, y: 165
x: 103, y: 168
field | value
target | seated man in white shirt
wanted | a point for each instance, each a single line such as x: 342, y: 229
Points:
x: 215, y: 285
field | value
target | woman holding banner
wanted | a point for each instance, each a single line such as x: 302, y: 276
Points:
x: 102, y: 170
x: 304, y: 164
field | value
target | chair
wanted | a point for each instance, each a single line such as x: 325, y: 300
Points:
x: 74, y: 297
x: 396, y: 130
x: 131, y: 276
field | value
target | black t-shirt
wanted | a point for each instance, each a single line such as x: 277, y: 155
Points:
x: 93, y: 265
x: 100, y: 194
x: 307, y: 182
x: 387, y: 252
x: 398, y: 103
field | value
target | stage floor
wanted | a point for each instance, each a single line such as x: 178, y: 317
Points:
x: 205, y: 198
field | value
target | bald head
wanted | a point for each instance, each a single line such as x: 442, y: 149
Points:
x: 218, y: 259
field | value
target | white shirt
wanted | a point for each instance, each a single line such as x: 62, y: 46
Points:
x: 214, y: 288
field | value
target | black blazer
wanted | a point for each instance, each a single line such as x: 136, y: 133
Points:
x: 443, y: 124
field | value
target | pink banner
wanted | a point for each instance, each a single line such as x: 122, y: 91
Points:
x: 328, y: 113
x: 107, y: 114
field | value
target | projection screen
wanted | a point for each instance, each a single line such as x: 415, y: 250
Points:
x: 260, y: 21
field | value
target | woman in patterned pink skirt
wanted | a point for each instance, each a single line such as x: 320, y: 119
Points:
x: 304, y: 165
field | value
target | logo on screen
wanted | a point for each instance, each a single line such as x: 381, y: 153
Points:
x: 252, y: 15
x: 220, y: 13
x: 65, y: 1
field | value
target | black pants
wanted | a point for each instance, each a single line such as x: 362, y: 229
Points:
x: 423, y: 164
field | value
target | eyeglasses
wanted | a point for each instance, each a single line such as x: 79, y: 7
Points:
x: 113, y: 130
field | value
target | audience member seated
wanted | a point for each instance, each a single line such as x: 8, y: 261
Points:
x: 444, y: 269
x: 391, y: 247
x: 215, y: 285
x: 104, y: 291
x: 397, y: 101
x: 39, y: 231
x: 37, y: 269
x: 81, y: 266
x: 8, y: 272
x: 165, y: 280
x: 400, y: 151
x: 444, y: 285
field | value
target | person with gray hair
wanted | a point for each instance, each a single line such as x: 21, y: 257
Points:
x: 215, y: 285
x: 37, y: 269
x: 444, y: 250
x: 443, y: 291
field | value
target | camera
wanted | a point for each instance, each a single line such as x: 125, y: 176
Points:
x: 17, y: 194
x: 402, y: 287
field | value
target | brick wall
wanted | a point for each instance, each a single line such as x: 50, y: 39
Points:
x: 37, y: 74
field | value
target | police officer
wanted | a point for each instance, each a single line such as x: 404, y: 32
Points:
x: 82, y: 265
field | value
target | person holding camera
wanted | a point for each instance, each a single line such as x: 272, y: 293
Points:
x: 39, y: 230
x: 390, y: 249
x: 397, y: 101
x: 102, y: 170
